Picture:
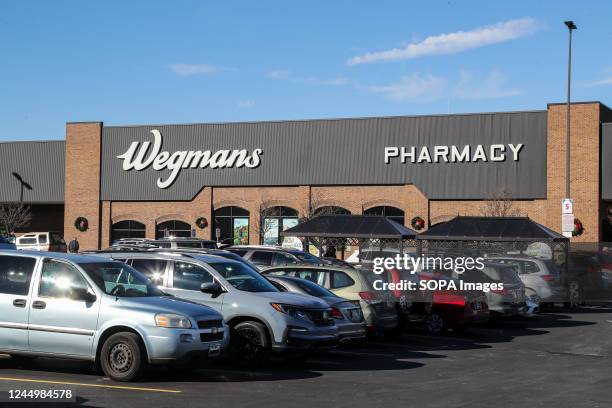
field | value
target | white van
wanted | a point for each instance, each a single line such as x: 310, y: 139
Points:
x: 41, y: 241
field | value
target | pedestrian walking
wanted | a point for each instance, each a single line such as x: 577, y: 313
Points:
x: 73, y: 246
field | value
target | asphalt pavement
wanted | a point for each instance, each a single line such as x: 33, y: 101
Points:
x: 558, y: 359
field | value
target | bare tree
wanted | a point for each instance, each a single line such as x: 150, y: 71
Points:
x: 499, y: 204
x: 315, y: 209
x: 265, y: 225
x: 14, y: 216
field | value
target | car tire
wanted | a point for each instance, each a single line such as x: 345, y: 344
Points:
x: 575, y: 295
x: 123, y: 357
x: 249, y: 343
x: 435, y: 323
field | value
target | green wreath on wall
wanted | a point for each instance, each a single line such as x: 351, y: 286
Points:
x: 417, y: 223
x: 578, y: 228
x: 202, y: 223
x: 81, y: 224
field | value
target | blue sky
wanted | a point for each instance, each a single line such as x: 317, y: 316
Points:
x: 131, y: 62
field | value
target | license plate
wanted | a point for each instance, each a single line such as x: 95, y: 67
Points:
x: 214, y: 349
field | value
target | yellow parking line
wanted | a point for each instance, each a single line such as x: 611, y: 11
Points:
x: 116, y: 387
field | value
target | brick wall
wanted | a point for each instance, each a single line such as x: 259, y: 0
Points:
x: 82, y: 182
x: 441, y: 211
x: 153, y: 213
x: 256, y: 199
x: 584, y: 167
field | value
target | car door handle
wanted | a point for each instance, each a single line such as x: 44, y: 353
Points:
x: 39, y: 304
x: 19, y: 303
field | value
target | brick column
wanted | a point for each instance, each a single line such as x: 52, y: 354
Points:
x: 584, y: 166
x: 82, y: 182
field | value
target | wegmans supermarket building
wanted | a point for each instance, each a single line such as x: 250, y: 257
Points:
x: 247, y: 181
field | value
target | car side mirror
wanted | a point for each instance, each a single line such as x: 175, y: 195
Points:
x: 212, y: 288
x: 83, y: 294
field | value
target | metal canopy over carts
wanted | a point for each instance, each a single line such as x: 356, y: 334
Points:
x: 480, y: 236
x: 362, y: 231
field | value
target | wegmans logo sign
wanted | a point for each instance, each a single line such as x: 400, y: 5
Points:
x: 143, y: 155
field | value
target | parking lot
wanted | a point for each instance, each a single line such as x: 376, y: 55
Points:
x: 557, y: 359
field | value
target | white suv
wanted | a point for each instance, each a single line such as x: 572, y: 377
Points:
x: 41, y: 241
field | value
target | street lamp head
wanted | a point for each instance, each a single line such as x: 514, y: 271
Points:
x: 570, y: 24
x: 18, y: 177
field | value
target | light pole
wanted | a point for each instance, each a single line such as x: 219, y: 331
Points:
x: 23, y: 184
x: 571, y: 27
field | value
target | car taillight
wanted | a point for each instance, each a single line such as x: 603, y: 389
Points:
x: 396, y: 278
x: 337, y: 314
x: 367, y: 295
x: 370, y: 298
x: 449, y: 299
x: 548, y: 278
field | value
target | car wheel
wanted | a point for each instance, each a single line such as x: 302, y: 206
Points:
x: 123, y: 357
x: 435, y: 323
x: 574, y: 292
x: 249, y: 343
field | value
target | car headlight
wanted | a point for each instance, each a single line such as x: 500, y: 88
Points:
x: 172, y: 321
x: 293, y: 311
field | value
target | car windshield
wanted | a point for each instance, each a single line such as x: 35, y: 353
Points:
x: 119, y: 279
x: 243, y: 277
x: 306, y: 257
x: 505, y: 274
x: 312, y: 288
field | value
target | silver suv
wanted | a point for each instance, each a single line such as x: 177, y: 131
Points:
x: 542, y: 278
x: 262, y: 318
x: 89, y: 308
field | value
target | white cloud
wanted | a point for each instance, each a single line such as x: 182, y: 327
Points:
x: 247, y: 103
x: 600, y: 82
x: 288, y: 76
x: 414, y: 87
x: 197, y: 69
x: 278, y: 74
x: 418, y: 87
x: 452, y: 43
x: 489, y: 87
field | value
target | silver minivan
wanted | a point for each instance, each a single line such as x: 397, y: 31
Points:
x: 262, y: 318
x: 89, y: 308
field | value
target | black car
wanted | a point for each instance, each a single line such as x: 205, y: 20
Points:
x: 583, y: 278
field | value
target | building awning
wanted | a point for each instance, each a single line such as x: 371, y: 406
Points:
x: 491, y: 229
x: 350, y: 226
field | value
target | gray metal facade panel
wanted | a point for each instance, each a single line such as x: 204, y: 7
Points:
x: 606, y: 161
x: 40, y: 164
x: 339, y: 152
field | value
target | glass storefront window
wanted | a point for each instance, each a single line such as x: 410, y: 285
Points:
x: 127, y: 229
x: 173, y: 228
x: 331, y: 210
x: 275, y: 220
x: 392, y: 213
x: 233, y: 224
